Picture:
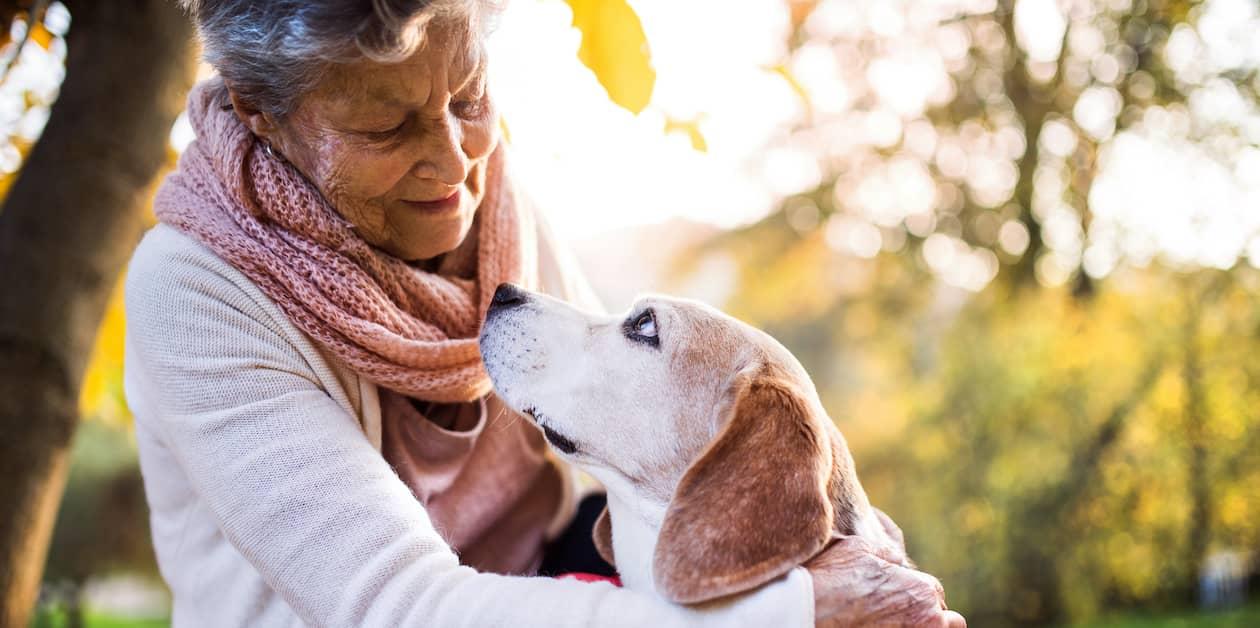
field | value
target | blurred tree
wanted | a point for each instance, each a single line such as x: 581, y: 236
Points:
x: 1051, y: 452
x: 66, y: 227
x: 980, y: 122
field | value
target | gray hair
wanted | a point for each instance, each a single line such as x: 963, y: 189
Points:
x: 273, y: 51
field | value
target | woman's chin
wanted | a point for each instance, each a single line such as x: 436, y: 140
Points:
x: 417, y: 240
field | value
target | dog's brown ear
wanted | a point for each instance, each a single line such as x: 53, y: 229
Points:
x: 602, y: 535
x: 754, y: 505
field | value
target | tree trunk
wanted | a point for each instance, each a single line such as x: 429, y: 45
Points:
x: 1198, y: 482
x: 1033, y: 105
x: 66, y: 229
x: 1035, y: 580
x: 74, y: 605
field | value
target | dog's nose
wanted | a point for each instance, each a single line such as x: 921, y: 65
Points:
x: 508, y: 296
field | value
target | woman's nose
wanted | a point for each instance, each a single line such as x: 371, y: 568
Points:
x: 443, y: 156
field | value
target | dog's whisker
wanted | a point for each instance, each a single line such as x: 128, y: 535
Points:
x: 499, y: 415
x: 512, y: 418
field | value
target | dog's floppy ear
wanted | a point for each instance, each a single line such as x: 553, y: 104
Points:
x: 602, y: 535
x: 754, y: 505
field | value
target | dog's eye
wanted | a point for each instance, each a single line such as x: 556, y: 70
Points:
x: 645, y: 325
x: 642, y: 328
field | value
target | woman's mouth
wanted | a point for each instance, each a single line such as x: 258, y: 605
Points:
x: 439, y: 206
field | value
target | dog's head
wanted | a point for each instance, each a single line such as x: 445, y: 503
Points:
x: 688, y: 407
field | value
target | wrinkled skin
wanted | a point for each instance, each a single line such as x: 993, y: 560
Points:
x: 375, y: 137
x: 855, y: 586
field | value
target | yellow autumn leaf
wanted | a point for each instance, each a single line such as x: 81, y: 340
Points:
x: 690, y: 128
x: 797, y: 88
x: 615, y: 48
x: 41, y: 35
x: 799, y: 11
x: 101, y: 396
x: 504, y: 131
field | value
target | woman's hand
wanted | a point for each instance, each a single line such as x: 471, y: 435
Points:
x: 854, y: 585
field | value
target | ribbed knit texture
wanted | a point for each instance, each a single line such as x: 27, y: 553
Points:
x: 409, y: 330
x: 270, y: 506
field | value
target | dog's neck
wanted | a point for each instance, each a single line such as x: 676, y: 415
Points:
x: 636, y: 525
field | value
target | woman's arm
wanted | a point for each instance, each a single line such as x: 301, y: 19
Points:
x: 297, y: 489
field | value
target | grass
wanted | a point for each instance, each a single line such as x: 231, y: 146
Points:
x: 46, y: 618
x: 1244, y: 617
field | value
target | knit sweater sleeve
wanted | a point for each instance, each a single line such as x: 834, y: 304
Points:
x: 299, y: 492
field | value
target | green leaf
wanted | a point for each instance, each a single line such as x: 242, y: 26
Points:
x: 615, y: 48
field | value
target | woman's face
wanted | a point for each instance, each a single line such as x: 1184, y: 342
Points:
x: 400, y: 149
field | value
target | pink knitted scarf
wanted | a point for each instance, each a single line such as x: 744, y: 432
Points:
x: 406, y: 329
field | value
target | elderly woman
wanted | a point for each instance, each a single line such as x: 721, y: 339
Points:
x: 317, y: 434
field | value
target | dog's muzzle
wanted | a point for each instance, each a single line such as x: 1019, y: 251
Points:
x: 506, y: 297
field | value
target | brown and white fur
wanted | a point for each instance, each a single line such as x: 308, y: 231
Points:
x: 723, y: 471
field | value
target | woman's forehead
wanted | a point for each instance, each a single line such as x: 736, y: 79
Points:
x: 447, y: 61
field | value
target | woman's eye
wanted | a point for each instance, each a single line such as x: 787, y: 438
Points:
x: 469, y: 109
x: 386, y: 133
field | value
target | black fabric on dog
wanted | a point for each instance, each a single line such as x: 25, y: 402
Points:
x: 574, y: 550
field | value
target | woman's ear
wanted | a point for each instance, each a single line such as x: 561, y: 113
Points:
x: 755, y: 504
x: 261, y: 124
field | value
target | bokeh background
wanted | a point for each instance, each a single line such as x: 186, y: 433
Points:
x: 1015, y: 242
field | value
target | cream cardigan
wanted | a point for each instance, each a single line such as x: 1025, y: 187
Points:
x: 271, y: 504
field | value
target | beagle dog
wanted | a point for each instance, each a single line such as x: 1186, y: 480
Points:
x: 723, y: 471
